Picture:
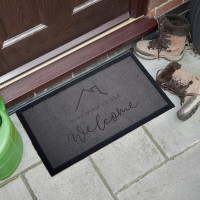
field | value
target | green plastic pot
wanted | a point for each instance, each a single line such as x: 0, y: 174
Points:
x: 11, y: 146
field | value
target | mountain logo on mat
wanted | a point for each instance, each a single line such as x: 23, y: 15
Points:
x: 93, y: 89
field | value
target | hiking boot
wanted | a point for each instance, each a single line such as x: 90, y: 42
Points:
x: 183, y: 84
x: 170, y: 42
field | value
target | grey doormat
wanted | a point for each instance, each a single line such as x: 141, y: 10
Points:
x: 92, y: 111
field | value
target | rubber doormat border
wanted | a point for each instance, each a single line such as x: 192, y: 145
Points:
x: 107, y: 141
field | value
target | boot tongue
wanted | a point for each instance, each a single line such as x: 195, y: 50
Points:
x: 185, y: 76
x: 171, y: 81
x: 162, y: 42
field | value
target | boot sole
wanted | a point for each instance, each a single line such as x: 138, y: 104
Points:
x: 194, y: 109
x: 170, y: 58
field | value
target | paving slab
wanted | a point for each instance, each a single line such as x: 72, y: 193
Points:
x: 29, y: 156
x: 15, y: 190
x: 78, y: 182
x: 172, y: 134
x: 176, y: 180
x: 127, y: 158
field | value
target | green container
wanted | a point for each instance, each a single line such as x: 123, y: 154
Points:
x: 11, y: 146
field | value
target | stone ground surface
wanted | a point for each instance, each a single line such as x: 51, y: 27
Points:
x: 158, y: 161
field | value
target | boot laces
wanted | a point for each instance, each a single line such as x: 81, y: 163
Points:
x: 177, y: 87
x: 161, y: 42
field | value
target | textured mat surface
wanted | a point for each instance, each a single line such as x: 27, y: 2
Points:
x: 83, y: 116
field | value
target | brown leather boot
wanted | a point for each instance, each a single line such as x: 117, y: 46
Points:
x: 170, y: 42
x: 183, y: 84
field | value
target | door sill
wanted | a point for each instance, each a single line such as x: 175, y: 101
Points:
x: 41, y: 76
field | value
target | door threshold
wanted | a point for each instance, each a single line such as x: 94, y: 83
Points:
x: 41, y: 76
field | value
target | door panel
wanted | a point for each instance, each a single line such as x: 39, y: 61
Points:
x: 18, y: 15
x: 79, y: 5
x: 3, y: 34
x: 62, y: 25
x: 121, y: 7
x: 78, y: 2
x: 3, y: 64
x: 52, y: 11
x: 94, y: 16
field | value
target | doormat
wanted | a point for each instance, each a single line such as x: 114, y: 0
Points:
x: 92, y: 111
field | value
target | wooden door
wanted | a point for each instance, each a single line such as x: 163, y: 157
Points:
x: 31, y: 28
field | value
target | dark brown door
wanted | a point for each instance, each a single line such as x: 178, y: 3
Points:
x: 31, y: 28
